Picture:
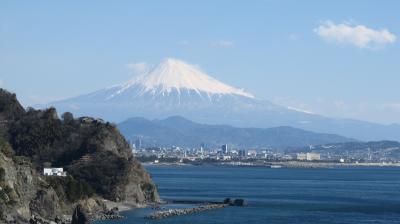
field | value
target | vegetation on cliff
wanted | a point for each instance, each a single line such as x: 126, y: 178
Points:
x: 98, y: 161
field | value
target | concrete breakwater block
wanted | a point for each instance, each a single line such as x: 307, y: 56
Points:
x: 235, y: 202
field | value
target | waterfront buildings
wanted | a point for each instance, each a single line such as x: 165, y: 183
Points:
x: 233, y: 154
x: 309, y: 156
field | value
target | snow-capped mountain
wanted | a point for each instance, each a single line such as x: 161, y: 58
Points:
x: 171, y: 88
x: 173, y: 75
x: 175, y: 87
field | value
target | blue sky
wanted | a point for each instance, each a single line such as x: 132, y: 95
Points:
x: 336, y: 58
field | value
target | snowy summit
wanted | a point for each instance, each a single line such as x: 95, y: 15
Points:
x: 176, y: 75
x: 176, y: 88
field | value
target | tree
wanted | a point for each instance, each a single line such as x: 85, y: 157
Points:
x: 68, y: 117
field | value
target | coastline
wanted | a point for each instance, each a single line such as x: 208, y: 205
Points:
x: 121, y: 205
x: 278, y: 164
x: 115, y: 209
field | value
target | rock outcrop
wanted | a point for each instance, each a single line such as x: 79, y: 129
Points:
x: 80, y: 216
x: 97, y: 158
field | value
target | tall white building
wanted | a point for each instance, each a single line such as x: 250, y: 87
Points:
x: 309, y: 156
x: 54, y: 172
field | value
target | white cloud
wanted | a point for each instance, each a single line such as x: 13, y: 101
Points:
x: 223, y: 44
x: 358, y: 35
x: 138, y: 68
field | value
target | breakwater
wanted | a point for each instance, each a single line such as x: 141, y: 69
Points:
x: 184, y: 211
x: 193, y: 202
x: 204, y: 206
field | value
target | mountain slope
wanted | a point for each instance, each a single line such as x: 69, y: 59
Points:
x: 181, y: 132
x: 177, y: 88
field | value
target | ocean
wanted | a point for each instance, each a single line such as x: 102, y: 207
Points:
x: 334, y: 195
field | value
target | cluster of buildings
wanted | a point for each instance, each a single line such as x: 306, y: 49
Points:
x: 327, y: 153
x: 223, y: 153
x: 309, y: 156
x: 59, y: 172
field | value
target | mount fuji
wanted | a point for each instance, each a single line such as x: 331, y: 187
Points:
x: 175, y: 87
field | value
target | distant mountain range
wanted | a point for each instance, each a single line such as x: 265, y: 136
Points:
x: 178, y: 131
x: 178, y: 88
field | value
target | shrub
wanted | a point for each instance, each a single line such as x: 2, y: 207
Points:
x: 71, y: 188
x: 6, y: 148
x: 78, y: 189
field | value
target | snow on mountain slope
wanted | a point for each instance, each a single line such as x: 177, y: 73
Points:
x: 178, y: 88
x: 175, y: 75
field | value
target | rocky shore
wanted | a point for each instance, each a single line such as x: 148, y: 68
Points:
x: 108, y: 215
x: 80, y: 216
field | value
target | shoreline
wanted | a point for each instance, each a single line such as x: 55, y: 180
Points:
x: 279, y: 164
x: 116, y: 208
x: 122, y: 206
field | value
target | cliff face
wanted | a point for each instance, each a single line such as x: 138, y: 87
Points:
x: 97, y: 158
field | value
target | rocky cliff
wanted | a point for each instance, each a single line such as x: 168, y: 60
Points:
x: 98, y: 161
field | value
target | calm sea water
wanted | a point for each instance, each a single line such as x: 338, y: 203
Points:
x: 340, y: 195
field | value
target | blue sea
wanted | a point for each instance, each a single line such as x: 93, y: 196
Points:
x: 336, y: 195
